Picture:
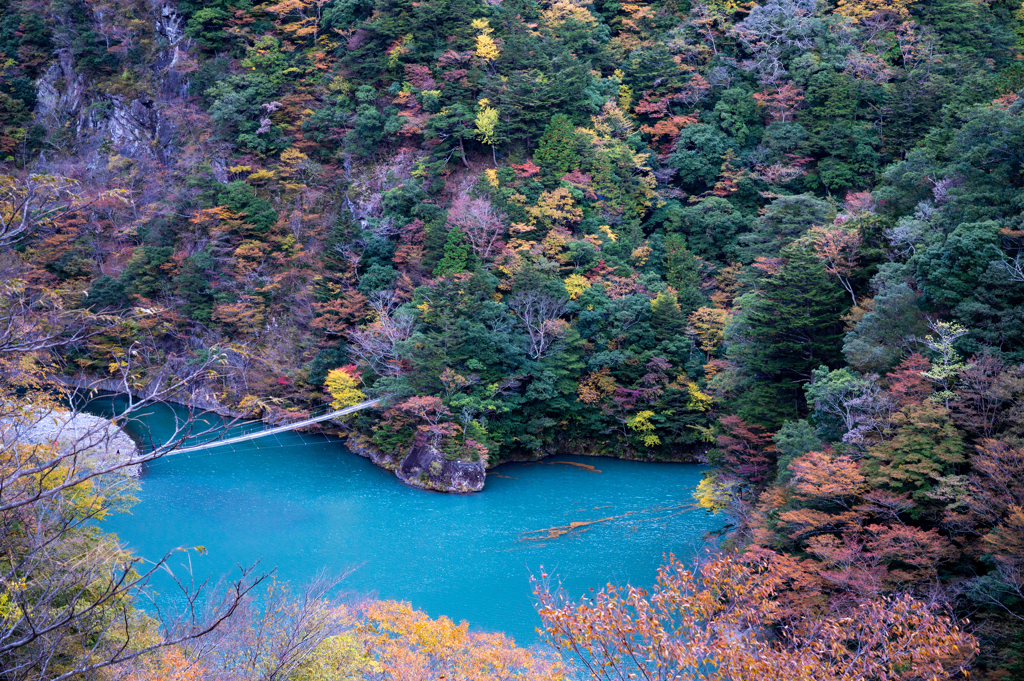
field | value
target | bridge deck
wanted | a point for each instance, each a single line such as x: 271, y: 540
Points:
x: 278, y: 429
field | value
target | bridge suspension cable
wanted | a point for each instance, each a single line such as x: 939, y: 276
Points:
x: 279, y: 429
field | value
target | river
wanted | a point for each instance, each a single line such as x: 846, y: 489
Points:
x: 300, y: 503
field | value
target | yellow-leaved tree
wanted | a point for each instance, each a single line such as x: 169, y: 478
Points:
x: 403, y: 643
x: 486, y: 49
x: 714, y: 493
x: 337, y: 658
x: 299, y: 19
x: 343, y: 386
x: 698, y: 400
x: 487, y: 126
x: 576, y: 285
x: 641, y: 424
x: 865, y: 9
x: 707, y: 325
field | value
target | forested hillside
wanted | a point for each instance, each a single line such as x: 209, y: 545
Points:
x: 785, y: 236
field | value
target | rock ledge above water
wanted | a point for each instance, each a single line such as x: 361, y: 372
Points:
x: 95, y: 441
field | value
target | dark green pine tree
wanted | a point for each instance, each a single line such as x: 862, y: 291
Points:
x: 434, y: 243
x: 106, y: 293
x: 258, y: 214
x: 667, y: 321
x: 783, y: 221
x: 455, y: 255
x: 194, y: 285
x: 558, y: 151
x: 786, y: 329
x: 682, y: 272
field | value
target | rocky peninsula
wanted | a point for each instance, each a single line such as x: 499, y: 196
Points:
x: 95, y: 442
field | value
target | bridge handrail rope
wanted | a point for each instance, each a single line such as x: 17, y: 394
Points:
x: 279, y: 429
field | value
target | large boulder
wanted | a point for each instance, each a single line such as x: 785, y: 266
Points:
x: 426, y: 467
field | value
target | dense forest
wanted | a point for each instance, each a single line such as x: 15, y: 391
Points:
x: 783, y: 238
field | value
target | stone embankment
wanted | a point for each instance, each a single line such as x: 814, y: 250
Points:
x: 93, y: 441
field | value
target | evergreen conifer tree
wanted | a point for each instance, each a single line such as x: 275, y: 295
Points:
x: 557, y: 152
x: 667, y: 320
x: 786, y: 329
x: 455, y: 255
x: 784, y: 220
x: 681, y: 272
x: 434, y: 244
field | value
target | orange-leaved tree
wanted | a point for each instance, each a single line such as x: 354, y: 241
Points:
x: 722, y: 623
x: 169, y: 664
x: 406, y: 645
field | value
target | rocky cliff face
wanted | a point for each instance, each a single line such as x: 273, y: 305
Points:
x: 425, y: 467
x: 134, y: 126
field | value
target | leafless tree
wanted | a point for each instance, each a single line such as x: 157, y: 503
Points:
x: 480, y: 223
x: 1014, y: 267
x: 352, y: 254
x: 76, y: 615
x: 868, y: 412
x: 268, y: 638
x: 68, y: 589
x: 704, y: 20
x: 36, y: 472
x: 540, y: 314
x: 34, y: 323
x: 994, y: 499
x: 38, y: 199
x: 771, y: 29
x: 375, y: 345
x: 386, y: 228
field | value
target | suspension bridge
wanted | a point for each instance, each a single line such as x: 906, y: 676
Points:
x: 279, y: 429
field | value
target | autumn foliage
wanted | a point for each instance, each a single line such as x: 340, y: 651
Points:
x: 907, y: 489
x: 342, y: 384
x: 722, y: 622
x: 611, y: 227
x: 406, y: 645
x: 378, y: 641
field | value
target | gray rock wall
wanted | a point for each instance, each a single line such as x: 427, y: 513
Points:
x: 426, y: 467
x: 137, y: 128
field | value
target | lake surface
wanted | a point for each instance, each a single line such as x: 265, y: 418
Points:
x: 300, y: 503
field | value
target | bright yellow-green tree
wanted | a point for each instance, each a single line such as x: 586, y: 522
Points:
x: 641, y: 423
x: 487, y: 126
x: 576, y: 285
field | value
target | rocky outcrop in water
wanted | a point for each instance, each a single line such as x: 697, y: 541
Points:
x: 425, y: 467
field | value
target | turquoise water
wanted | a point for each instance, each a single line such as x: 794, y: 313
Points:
x: 300, y: 503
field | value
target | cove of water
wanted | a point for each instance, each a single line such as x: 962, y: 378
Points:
x: 300, y: 503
